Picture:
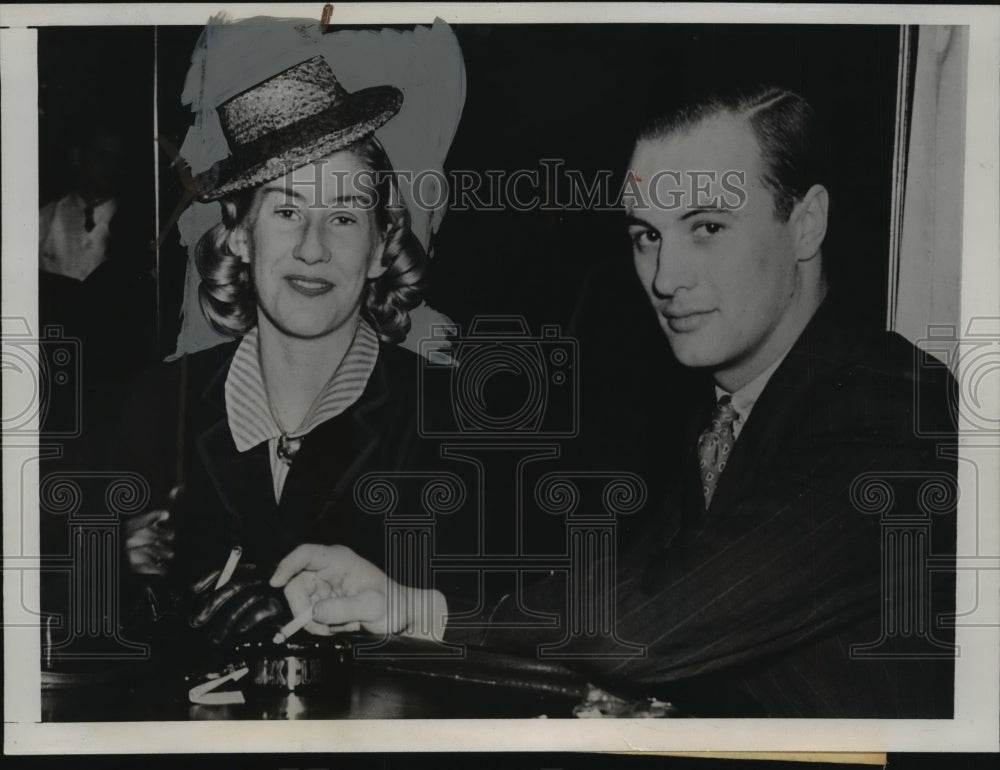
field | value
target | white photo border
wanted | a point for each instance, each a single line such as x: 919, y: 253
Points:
x: 977, y: 686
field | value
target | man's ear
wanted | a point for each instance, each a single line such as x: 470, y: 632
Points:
x: 809, y: 219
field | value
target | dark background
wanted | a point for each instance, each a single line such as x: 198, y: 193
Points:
x: 574, y: 92
x: 88, y: 74
x: 571, y: 92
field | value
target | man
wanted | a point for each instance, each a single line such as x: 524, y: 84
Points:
x: 75, y: 229
x: 759, y: 589
x: 95, y: 267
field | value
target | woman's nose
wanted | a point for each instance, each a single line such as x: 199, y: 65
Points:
x: 311, y: 248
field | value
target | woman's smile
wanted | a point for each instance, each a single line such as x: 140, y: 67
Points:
x: 311, y: 287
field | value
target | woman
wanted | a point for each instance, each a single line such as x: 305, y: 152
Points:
x: 315, y: 266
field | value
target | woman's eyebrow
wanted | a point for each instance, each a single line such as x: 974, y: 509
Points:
x: 288, y: 192
x: 340, y: 200
x: 343, y: 200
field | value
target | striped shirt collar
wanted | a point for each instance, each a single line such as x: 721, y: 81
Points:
x: 250, y: 418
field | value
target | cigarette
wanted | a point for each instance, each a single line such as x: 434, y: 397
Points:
x: 292, y: 626
x: 230, y: 568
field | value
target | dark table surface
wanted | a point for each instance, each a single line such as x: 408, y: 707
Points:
x: 481, y: 684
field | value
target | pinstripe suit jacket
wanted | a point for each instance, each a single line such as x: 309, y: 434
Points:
x: 752, y: 606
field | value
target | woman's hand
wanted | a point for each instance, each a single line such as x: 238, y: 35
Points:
x: 346, y: 592
x: 148, y: 542
x: 246, y: 606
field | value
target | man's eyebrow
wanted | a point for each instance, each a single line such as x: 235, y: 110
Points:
x: 632, y: 219
x: 706, y: 210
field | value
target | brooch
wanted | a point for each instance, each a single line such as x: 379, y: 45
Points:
x: 288, y: 448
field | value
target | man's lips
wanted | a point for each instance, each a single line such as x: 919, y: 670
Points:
x: 311, y: 287
x: 687, y: 321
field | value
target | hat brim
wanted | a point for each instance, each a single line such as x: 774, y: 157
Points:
x: 301, y: 143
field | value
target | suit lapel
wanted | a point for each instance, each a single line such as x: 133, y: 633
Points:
x: 242, y: 480
x: 809, y: 360
x: 334, y: 454
x: 684, y: 502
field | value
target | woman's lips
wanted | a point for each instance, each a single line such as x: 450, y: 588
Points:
x: 681, y: 323
x: 311, y: 287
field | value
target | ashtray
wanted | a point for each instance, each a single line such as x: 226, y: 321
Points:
x: 294, y: 665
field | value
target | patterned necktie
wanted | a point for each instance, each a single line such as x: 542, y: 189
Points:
x: 714, y: 446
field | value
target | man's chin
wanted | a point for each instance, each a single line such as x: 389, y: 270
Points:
x: 692, y: 352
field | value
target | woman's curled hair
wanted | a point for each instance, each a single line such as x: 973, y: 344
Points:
x: 227, y: 293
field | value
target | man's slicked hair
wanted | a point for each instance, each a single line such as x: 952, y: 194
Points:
x: 783, y: 123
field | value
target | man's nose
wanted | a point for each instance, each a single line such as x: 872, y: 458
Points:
x: 311, y: 248
x: 674, y: 271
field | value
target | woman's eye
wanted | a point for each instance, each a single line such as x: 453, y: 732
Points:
x: 708, y: 228
x: 342, y: 219
x: 286, y: 213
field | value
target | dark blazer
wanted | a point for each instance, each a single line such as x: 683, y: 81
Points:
x: 173, y: 430
x: 751, y: 607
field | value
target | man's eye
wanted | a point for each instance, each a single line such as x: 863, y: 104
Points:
x: 708, y: 228
x: 641, y: 238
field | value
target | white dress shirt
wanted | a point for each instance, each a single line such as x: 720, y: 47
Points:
x: 744, y: 399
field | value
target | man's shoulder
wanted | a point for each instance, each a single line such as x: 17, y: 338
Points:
x: 891, y: 363
x: 917, y: 382
x: 868, y: 377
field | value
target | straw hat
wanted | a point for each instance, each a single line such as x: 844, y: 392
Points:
x: 290, y: 120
